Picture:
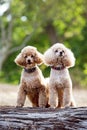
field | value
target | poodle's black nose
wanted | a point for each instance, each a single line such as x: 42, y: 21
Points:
x: 61, y: 53
x: 29, y: 61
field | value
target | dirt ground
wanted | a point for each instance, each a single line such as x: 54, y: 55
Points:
x: 8, y: 96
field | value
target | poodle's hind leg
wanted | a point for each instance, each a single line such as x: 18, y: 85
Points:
x: 33, y: 98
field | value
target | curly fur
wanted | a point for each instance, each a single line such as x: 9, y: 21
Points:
x: 32, y: 83
x: 60, y: 58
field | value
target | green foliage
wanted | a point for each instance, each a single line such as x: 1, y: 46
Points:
x: 68, y: 18
x: 11, y: 72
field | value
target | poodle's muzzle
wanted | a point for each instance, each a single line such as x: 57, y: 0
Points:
x: 29, y: 60
x: 61, y: 53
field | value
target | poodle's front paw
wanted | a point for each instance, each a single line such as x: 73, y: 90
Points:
x: 60, y: 107
x: 19, y: 105
x: 42, y: 106
x: 53, y: 107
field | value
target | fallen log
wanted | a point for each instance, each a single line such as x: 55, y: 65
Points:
x: 26, y: 118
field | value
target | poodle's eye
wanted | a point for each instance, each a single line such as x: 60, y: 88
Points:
x: 32, y: 56
x: 56, y: 51
x: 25, y: 56
x: 63, y: 51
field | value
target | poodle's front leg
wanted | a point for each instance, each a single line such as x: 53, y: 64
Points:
x: 21, y: 97
x: 67, y: 97
x: 73, y: 104
x: 53, y: 97
x: 42, y: 97
x: 60, y: 97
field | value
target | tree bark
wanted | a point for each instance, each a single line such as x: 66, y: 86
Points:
x: 26, y: 118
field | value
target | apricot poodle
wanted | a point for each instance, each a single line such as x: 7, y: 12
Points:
x: 32, y: 81
x: 60, y: 58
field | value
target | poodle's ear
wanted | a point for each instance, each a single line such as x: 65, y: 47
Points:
x: 19, y: 60
x: 39, y: 58
x: 49, y: 57
x: 69, y: 59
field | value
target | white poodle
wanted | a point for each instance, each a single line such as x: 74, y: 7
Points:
x: 32, y: 81
x: 60, y: 58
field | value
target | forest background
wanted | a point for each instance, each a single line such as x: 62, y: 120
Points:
x: 41, y: 23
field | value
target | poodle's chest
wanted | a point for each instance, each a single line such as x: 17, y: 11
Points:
x: 31, y: 78
x: 60, y: 75
x: 32, y: 81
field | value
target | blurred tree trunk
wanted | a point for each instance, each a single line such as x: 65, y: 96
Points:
x: 51, y: 32
x: 6, y: 38
x: 5, y: 43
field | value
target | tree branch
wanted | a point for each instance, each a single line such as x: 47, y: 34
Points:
x: 28, y: 37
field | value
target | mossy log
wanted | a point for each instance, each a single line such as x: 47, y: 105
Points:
x: 27, y: 118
